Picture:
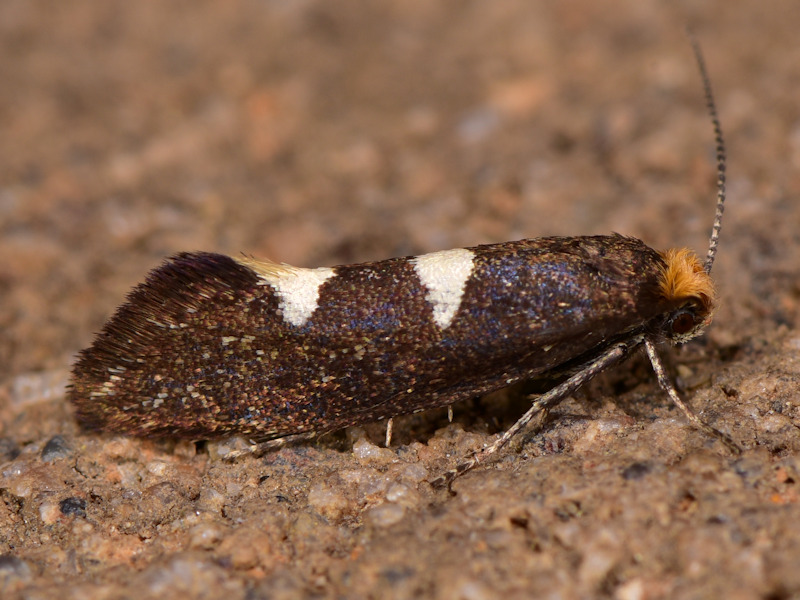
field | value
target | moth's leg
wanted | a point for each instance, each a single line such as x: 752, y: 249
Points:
x: 667, y: 386
x: 389, y: 427
x: 546, y: 401
x: 257, y: 449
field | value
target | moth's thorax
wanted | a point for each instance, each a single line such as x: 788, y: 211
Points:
x: 684, y: 282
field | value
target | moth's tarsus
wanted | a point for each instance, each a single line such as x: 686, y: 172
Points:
x: 667, y: 386
x: 260, y: 448
x: 548, y: 400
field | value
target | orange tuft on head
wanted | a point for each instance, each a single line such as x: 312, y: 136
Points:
x: 683, y: 278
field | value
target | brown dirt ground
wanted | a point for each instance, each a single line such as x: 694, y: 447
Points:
x: 318, y: 132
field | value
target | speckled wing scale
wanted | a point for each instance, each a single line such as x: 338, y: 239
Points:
x: 210, y: 346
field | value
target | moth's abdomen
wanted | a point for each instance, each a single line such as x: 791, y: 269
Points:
x: 209, y: 345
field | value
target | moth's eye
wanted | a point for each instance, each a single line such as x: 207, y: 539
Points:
x: 683, y: 323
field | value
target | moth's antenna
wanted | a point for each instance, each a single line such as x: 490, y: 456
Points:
x: 712, y: 111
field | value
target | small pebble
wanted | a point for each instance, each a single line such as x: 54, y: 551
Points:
x: 635, y: 471
x: 205, y: 536
x: 9, y: 450
x: 367, y: 452
x: 72, y: 507
x: 329, y: 502
x: 49, y: 512
x: 385, y: 515
x: 13, y: 570
x: 56, y: 447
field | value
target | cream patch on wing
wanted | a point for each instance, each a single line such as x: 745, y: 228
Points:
x: 444, y: 275
x: 297, y: 288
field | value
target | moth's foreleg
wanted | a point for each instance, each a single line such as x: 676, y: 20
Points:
x: 548, y: 400
x: 667, y: 386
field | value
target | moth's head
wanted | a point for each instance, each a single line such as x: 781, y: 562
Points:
x: 684, y: 283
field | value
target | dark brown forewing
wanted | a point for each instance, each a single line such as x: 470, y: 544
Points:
x: 200, y: 349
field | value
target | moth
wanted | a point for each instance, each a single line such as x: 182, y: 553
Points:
x: 209, y: 345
